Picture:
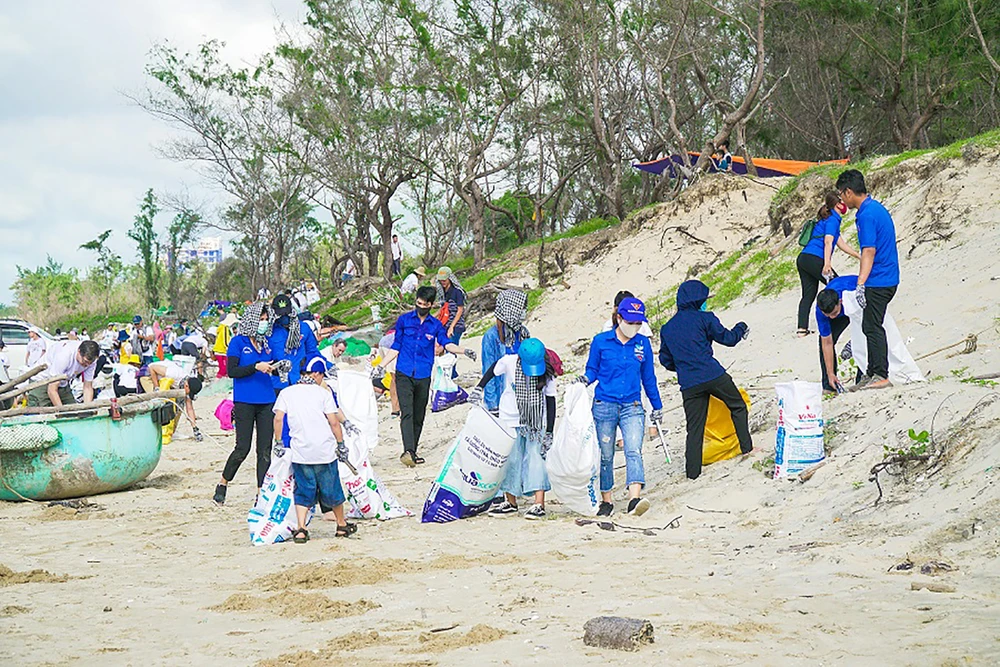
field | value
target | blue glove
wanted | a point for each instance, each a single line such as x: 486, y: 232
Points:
x: 743, y: 330
x: 860, y: 293
x: 839, y: 386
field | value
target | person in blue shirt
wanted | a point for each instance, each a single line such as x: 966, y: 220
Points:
x: 878, y: 277
x: 686, y: 348
x: 815, y: 261
x: 249, y: 362
x: 503, y: 338
x: 621, y: 362
x: 831, y: 322
x: 290, y: 339
x: 413, y: 349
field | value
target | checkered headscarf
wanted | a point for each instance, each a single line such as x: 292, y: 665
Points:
x: 511, y: 309
x: 530, y: 403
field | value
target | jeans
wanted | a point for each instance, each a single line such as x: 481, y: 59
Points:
x: 525, y: 470
x: 837, y: 327
x: 696, y: 411
x: 632, y: 419
x: 397, y: 267
x: 246, y: 416
x: 317, y: 481
x: 876, y: 301
x: 810, y: 275
x: 413, y: 395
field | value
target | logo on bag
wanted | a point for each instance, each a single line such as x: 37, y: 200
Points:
x: 475, y: 480
x: 640, y: 353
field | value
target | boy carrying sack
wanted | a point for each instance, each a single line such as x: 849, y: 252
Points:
x: 686, y: 348
x: 317, y: 443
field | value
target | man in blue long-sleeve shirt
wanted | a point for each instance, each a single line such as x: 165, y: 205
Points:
x: 686, y: 347
x: 621, y: 362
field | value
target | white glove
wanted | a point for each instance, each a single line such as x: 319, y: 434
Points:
x: 377, y: 373
x: 546, y: 444
x: 471, y: 354
x: 860, y: 293
x: 582, y: 379
x: 342, y: 453
x: 476, y: 396
x: 656, y: 416
x: 350, y: 429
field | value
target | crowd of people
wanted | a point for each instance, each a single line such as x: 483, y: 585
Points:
x: 283, y: 393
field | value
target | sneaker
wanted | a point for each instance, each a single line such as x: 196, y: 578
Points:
x: 503, y: 508
x: 605, y: 509
x: 535, y: 512
x: 499, y: 500
x: 638, y: 506
x: 407, y: 460
x: 220, y: 494
x: 877, y: 382
x: 198, y: 436
x: 861, y: 384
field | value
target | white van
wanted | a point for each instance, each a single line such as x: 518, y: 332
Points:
x: 14, y: 334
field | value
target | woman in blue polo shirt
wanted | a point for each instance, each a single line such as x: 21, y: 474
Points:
x: 814, y: 262
x: 621, y: 362
x: 249, y: 364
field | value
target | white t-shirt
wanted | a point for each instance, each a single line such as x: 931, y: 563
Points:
x: 507, y: 368
x: 197, y: 340
x: 350, y: 269
x: 397, y: 250
x: 35, y: 352
x: 306, y: 407
x: 61, y: 358
x: 410, y: 284
x: 172, y: 370
x: 127, y: 376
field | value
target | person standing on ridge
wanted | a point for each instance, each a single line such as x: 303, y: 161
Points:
x: 397, y: 256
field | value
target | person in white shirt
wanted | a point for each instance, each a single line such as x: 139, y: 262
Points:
x: 190, y: 382
x: 36, y: 348
x: 412, y: 281
x: 317, y: 444
x: 74, y: 359
x: 349, y: 272
x: 397, y: 256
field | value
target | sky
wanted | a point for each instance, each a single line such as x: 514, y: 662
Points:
x: 76, y: 156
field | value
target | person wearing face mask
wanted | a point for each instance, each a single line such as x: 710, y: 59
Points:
x: 290, y: 339
x: 621, y: 362
x: 686, y: 348
x: 250, y: 362
x: 413, y: 350
x: 609, y: 325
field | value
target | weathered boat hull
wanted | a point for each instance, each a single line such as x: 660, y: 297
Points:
x: 93, y: 455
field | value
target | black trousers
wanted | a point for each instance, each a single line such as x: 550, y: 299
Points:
x: 397, y: 267
x: 876, y: 301
x: 413, y: 394
x: 696, y: 410
x: 247, y: 417
x: 810, y: 275
x: 838, y: 325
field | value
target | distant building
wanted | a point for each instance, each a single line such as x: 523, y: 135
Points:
x: 208, y: 251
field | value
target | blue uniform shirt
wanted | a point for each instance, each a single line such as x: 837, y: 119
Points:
x: 256, y: 388
x: 839, y: 285
x: 876, y: 230
x: 415, y: 344
x: 307, y: 350
x: 493, y: 350
x: 828, y: 226
x: 622, y: 370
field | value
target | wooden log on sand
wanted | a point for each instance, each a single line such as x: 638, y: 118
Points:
x: 34, y: 385
x: 175, y: 394
x: 624, y: 634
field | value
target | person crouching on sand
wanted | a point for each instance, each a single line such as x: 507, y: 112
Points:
x: 686, y: 348
x: 317, y: 444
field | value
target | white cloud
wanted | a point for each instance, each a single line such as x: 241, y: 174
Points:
x: 76, y: 155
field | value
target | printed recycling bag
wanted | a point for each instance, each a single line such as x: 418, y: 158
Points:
x: 574, y: 461
x: 272, y: 519
x: 366, y: 494
x: 357, y: 399
x: 444, y: 392
x: 472, y: 471
x: 799, y: 441
x: 902, y: 367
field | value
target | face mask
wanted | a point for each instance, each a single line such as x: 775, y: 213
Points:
x: 423, y: 312
x: 704, y: 305
x: 262, y: 327
x: 282, y: 321
x: 629, y: 329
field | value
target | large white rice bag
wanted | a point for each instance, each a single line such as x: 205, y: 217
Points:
x: 357, y: 400
x: 574, y: 461
x: 472, y: 471
x: 272, y: 519
x: 366, y: 494
x: 445, y: 393
x: 799, y: 442
x: 902, y: 367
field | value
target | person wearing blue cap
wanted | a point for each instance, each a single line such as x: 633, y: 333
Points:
x: 686, y: 348
x: 621, y: 362
x: 317, y: 445
x: 290, y: 339
x: 527, y: 404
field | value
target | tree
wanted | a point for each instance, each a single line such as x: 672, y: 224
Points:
x: 40, y: 290
x: 108, y: 269
x: 180, y: 232
x: 148, y: 246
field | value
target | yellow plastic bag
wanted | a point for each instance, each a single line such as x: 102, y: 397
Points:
x: 721, y: 442
x: 168, y: 430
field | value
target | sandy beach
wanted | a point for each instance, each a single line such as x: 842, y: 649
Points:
x: 754, y: 571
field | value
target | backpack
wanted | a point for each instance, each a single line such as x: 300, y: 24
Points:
x: 554, y: 361
x: 806, y: 235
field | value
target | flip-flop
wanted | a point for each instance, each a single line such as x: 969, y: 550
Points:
x: 300, y: 540
x: 419, y: 460
x: 802, y: 333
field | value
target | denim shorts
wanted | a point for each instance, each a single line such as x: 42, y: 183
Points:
x: 317, y: 482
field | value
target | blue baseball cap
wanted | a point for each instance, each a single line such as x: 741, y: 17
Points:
x: 316, y: 365
x: 137, y: 319
x: 532, y: 356
x: 632, y: 310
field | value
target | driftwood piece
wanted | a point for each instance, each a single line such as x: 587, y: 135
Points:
x: 807, y: 474
x: 28, y: 387
x: 103, y: 403
x: 7, y: 386
x: 624, y: 634
x: 987, y: 376
x: 931, y: 586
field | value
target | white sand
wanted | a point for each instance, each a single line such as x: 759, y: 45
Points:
x: 768, y: 572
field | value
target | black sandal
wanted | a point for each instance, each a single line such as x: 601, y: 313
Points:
x: 351, y: 527
x: 300, y: 540
x: 344, y: 531
x: 418, y: 460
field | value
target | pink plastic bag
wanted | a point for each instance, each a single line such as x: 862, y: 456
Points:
x: 224, y: 413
